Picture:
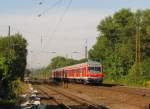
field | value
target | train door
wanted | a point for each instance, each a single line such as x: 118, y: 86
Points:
x: 81, y: 72
x: 62, y: 75
x: 65, y: 74
x: 84, y: 71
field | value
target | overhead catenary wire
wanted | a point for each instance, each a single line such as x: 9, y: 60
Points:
x: 40, y: 2
x: 60, y: 20
x: 49, y: 8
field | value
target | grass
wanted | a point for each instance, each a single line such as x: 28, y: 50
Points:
x: 22, y: 88
x: 128, y: 82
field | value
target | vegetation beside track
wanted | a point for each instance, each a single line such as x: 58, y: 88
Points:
x: 116, y: 47
x: 13, y: 54
x: 21, y: 87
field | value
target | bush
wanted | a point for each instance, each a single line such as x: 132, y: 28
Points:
x: 135, y: 76
x: 8, y: 104
x: 20, y: 87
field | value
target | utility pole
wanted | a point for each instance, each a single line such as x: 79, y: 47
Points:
x: 66, y: 55
x: 10, y: 39
x: 138, y: 43
x: 86, y: 51
x: 138, y: 47
x: 9, y: 30
x: 41, y: 41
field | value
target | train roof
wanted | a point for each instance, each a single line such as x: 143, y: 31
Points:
x: 81, y: 65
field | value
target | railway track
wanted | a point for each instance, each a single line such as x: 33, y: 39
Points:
x: 108, y: 95
x: 82, y: 101
x: 52, y: 101
x: 124, y: 89
x: 68, y: 100
x: 143, y: 92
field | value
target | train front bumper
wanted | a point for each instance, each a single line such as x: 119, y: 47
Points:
x: 95, y: 80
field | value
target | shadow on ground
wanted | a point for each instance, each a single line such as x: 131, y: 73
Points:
x: 61, y: 106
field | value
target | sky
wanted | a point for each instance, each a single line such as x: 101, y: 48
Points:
x: 53, y: 27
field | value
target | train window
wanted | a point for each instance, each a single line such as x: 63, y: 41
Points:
x: 97, y: 68
x: 94, y: 69
x: 78, y: 71
x: 91, y: 68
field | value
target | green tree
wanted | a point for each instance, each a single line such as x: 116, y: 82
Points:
x: 115, y: 45
x: 13, y: 54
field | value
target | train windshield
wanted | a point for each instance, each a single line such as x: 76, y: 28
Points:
x: 94, y: 69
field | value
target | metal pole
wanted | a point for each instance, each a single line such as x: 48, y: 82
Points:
x: 9, y: 30
x: 86, y: 51
x: 138, y: 44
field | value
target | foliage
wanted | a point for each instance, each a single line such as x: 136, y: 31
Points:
x: 59, y: 61
x: 146, y: 69
x: 20, y: 87
x: 115, y: 46
x: 13, y: 54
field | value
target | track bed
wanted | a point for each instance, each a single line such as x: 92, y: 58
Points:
x: 106, y: 96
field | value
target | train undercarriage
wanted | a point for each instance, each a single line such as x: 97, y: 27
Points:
x: 79, y: 80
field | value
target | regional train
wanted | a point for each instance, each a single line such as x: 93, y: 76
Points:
x: 88, y: 72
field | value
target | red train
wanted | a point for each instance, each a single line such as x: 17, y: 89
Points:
x: 88, y: 72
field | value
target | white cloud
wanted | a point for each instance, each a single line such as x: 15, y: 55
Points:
x: 70, y: 34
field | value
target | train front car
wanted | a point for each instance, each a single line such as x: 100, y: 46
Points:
x: 95, y: 75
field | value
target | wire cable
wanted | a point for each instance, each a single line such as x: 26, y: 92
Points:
x: 49, y: 8
x: 61, y: 19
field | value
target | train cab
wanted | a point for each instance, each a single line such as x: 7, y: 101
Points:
x: 95, y: 72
